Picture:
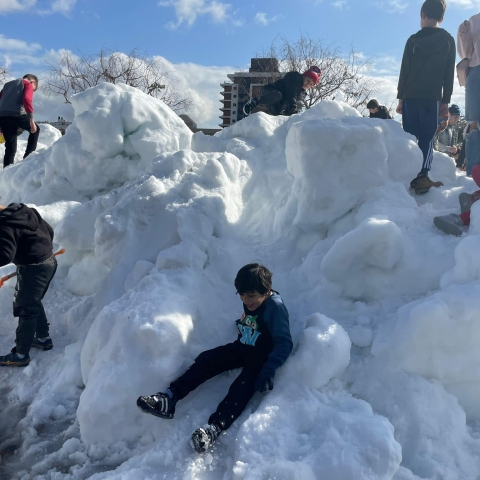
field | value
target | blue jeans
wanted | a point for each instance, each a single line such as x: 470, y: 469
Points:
x: 472, y: 113
x: 472, y: 150
x: 420, y: 118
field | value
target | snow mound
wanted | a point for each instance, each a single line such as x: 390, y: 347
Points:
x: 352, y: 443
x: 156, y: 222
x: 116, y: 132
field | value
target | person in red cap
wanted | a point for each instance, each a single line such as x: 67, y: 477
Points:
x: 282, y: 97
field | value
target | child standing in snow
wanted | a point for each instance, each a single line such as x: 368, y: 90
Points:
x: 281, y: 97
x: 454, y: 224
x: 263, y: 344
x: 26, y: 240
x: 426, y: 85
x: 16, y: 115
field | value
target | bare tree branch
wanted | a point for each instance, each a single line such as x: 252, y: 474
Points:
x: 339, y: 73
x: 74, y: 74
x: 3, y: 75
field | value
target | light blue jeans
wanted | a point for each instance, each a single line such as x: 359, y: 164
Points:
x: 472, y: 114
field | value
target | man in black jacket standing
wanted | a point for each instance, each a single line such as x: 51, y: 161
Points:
x: 425, y: 85
x: 26, y: 240
x: 378, y: 111
x: 282, y: 96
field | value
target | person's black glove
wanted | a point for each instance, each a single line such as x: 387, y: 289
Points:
x: 264, y: 381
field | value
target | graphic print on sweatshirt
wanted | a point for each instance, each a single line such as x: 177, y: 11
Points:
x: 248, y: 329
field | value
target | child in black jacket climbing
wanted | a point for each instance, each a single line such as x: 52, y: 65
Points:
x: 263, y: 344
x: 281, y: 97
x: 26, y: 240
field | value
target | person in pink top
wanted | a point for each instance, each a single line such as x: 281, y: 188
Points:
x: 468, y: 46
x: 16, y: 115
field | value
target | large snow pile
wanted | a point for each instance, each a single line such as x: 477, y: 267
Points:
x: 382, y: 382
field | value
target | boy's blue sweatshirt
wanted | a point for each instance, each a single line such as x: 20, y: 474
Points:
x: 267, y: 328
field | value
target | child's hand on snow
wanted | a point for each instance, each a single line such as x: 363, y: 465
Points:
x: 264, y: 382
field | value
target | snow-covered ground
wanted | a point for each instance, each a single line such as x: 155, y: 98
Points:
x: 383, y: 382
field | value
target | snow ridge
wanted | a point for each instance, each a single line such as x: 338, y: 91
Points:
x: 382, y: 383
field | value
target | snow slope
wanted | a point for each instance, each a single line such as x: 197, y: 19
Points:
x: 382, y: 383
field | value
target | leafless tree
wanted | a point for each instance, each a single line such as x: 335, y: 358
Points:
x: 74, y: 74
x: 346, y: 74
x: 3, y: 75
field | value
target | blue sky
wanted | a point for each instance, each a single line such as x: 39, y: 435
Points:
x: 205, y: 39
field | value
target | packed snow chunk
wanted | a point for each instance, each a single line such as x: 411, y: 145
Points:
x: 332, y: 170
x: 55, y: 213
x: 186, y: 254
x: 443, y: 168
x: 467, y: 262
x: 116, y: 132
x: 323, y: 353
x: 361, y: 260
x: 115, y: 118
x: 141, y: 269
x: 297, y: 434
x: 405, y: 158
x: 438, y: 338
x: 429, y: 423
x: 361, y: 336
x: 47, y: 137
x: 134, y: 344
x: 330, y: 109
x: 84, y: 277
x: 474, y: 228
x: 77, y: 229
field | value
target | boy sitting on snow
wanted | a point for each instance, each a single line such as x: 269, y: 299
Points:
x: 26, y: 240
x: 263, y: 344
x: 281, y: 97
x: 454, y: 224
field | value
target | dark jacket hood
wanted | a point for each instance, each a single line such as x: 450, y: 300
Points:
x: 18, y: 215
x: 431, y: 40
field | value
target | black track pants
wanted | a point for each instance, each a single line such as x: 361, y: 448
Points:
x: 218, y: 360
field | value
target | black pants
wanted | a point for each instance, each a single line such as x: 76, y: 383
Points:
x: 272, y: 100
x: 218, y: 360
x: 11, y: 128
x: 32, y: 285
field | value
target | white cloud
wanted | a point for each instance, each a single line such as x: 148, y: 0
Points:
x: 44, y: 7
x: 8, y: 6
x: 262, y: 18
x: 203, y: 84
x: 17, y: 45
x: 340, y: 4
x: 187, y: 11
x: 63, y: 6
x: 393, y: 6
x: 465, y: 3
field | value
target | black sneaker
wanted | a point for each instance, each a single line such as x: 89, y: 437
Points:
x: 13, y: 360
x: 45, y: 345
x: 204, y: 437
x: 160, y: 405
x: 249, y: 106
